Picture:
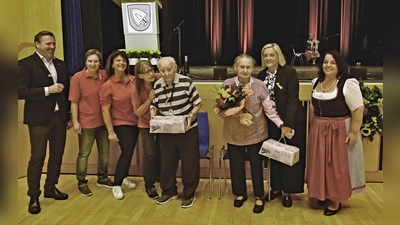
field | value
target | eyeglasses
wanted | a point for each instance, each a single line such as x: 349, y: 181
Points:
x: 149, y: 72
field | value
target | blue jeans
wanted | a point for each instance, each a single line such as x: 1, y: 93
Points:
x: 127, y: 136
x: 151, y: 157
x: 86, y: 141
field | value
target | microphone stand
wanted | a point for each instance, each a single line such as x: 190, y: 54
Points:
x: 329, y: 37
x: 178, y: 29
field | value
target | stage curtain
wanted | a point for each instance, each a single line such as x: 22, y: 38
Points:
x: 213, y: 25
x: 245, y: 23
x: 73, y: 35
x: 349, y: 23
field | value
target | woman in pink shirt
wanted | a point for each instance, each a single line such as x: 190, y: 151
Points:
x: 119, y: 117
x: 87, y: 120
x: 142, y: 97
x: 241, y: 137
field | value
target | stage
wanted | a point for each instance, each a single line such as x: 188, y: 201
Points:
x: 305, y: 72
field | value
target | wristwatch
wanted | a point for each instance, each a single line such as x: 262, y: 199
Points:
x: 280, y: 126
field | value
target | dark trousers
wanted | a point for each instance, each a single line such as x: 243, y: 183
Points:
x: 237, y: 156
x: 55, y: 134
x: 127, y: 136
x: 186, y: 148
x: 151, y: 157
x: 289, y: 179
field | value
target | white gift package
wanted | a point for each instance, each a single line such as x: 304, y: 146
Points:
x: 281, y: 152
x: 168, y: 124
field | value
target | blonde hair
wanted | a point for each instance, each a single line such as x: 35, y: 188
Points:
x: 275, y: 46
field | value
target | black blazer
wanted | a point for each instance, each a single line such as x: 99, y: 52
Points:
x: 287, y: 100
x: 33, y: 76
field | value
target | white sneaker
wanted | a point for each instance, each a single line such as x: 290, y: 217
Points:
x: 129, y: 183
x: 117, y: 192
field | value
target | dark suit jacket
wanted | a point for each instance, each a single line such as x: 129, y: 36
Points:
x: 287, y: 100
x: 33, y: 76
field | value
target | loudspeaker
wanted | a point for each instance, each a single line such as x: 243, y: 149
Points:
x: 360, y: 73
x: 220, y: 73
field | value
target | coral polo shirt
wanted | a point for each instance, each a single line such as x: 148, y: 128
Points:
x: 118, y: 94
x: 84, y: 90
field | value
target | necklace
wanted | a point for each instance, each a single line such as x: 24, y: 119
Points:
x: 324, y: 90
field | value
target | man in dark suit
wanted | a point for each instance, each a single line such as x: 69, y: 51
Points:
x: 43, y: 82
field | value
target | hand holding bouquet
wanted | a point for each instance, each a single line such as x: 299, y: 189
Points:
x: 231, y: 100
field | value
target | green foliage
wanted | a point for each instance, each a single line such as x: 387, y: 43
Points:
x: 373, y: 111
x: 142, y: 53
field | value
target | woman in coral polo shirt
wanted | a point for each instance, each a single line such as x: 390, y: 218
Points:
x: 119, y: 117
x: 87, y: 120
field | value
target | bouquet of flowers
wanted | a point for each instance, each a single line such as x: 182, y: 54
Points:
x: 230, y: 101
x: 373, y: 111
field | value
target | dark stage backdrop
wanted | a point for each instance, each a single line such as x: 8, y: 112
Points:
x: 284, y: 22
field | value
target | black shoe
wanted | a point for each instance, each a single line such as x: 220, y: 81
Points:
x: 287, y: 201
x: 152, y: 193
x: 34, y: 205
x: 273, y: 195
x: 55, y: 193
x: 322, y: 203
x: 329, y: 212
x: 238, y: 203
x: 259, y: 208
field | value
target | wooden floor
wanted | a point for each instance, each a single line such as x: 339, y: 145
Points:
x: 137, y: 208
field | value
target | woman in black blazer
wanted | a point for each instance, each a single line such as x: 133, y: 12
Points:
x: 283, y: 85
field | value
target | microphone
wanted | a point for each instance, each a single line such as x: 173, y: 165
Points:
x: 179, y: 25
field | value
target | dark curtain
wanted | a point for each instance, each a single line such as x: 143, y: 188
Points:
x: 73, y: 35
x: 245, y: 23
x: 213, y: 32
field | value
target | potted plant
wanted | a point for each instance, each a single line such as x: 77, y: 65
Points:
x: 132, y: 55
x: 154, y: 56
x: 144, y: 54
x: 155, y: 53
x: 373, y: 111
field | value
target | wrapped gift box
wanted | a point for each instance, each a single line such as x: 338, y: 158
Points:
x: 281, y: 152
x: 168, y: 124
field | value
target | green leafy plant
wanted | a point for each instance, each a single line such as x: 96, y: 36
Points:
x: 142, y: 53
x: 155, y: 53
x: 131, y: 53
x: 373, y: 111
